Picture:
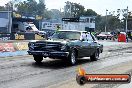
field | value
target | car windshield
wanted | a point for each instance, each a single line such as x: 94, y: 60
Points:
x: 66, y: 35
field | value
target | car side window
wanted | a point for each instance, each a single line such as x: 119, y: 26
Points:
x: 89, y: 37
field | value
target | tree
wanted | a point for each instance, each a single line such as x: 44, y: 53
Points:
x: 30, y: 7
x: 73, y: 9
x: 2, y: 8
x: 77, y: 10
x: 89, y: 12
x: 7, y: 7
x: 47, y: 14
x: 40, y: 8
x: 129, y: 22
x: 100, y: 23
x: 113, y: 23
x: 55, y: 14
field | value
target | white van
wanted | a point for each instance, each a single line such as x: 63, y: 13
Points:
x: 24, y: 27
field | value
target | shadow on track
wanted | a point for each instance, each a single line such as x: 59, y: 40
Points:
x: 58, y: 64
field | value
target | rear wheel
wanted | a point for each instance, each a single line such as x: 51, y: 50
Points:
x: 95, y: 56
x: 38, y: 58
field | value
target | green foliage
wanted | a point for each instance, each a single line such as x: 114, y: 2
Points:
x: 73, y: 9
x: 55, y: 14
x: 77, y: 10
x: 7, y: 7
x: 47, y: 14
x: 89, y: 12
x: 129, y: 24
x: 100, y: 23
x: 30, y: 7
x: 2, y: 8
x: 113, y: 23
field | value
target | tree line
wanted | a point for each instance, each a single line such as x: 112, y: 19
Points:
x: 32, y: 7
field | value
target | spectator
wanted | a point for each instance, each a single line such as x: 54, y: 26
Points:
x: 84, y: 37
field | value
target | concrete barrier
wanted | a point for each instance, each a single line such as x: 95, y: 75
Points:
x: 20, y: 36
x: 21, y: 46
x: 6, y: 47
x: 12, y: 47
x: 1, y: 48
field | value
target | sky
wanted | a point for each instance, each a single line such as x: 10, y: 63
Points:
x: 98, y: 6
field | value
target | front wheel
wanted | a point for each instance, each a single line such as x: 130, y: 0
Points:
x: 98, y: 38
x: 72, y: 57
x: 38, y: 58
x: 95, y: 56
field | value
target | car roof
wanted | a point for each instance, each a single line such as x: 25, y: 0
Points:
x: 73, y: 30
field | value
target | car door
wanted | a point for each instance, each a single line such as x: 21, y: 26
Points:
x: 80, y: 45
x: 92, y: 44
x: 84, y: 46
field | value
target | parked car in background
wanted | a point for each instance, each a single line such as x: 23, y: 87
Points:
x: 68, y: 45
x: 104, y: 35
x: 42, y: 33
x: 49, y: 32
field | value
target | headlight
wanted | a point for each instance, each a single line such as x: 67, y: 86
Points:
x: 63, y: 47
x: 31, y: 44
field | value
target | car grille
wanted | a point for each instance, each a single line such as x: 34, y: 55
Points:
x: 45, y: 47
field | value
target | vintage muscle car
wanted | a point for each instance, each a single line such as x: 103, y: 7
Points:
x: 68, y: 45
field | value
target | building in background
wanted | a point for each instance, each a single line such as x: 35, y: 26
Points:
x: 51, y: 24
x: 5, y: 21
x: 81, y: 23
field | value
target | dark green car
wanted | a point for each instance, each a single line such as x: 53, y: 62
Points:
x: 69, y: 45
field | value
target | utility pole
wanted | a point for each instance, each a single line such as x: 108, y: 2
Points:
x: 106, y: 21
x: 70, y: 9
x: 126, y: 18
x: 126, y: 24
x: 8, y: 18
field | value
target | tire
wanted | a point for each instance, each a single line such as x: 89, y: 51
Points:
x: 95, y: 56
x: 98, y: 38
x: 38, y: 58
x: 72, y: 58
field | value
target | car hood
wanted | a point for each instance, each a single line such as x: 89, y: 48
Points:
x: 54, y: 41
